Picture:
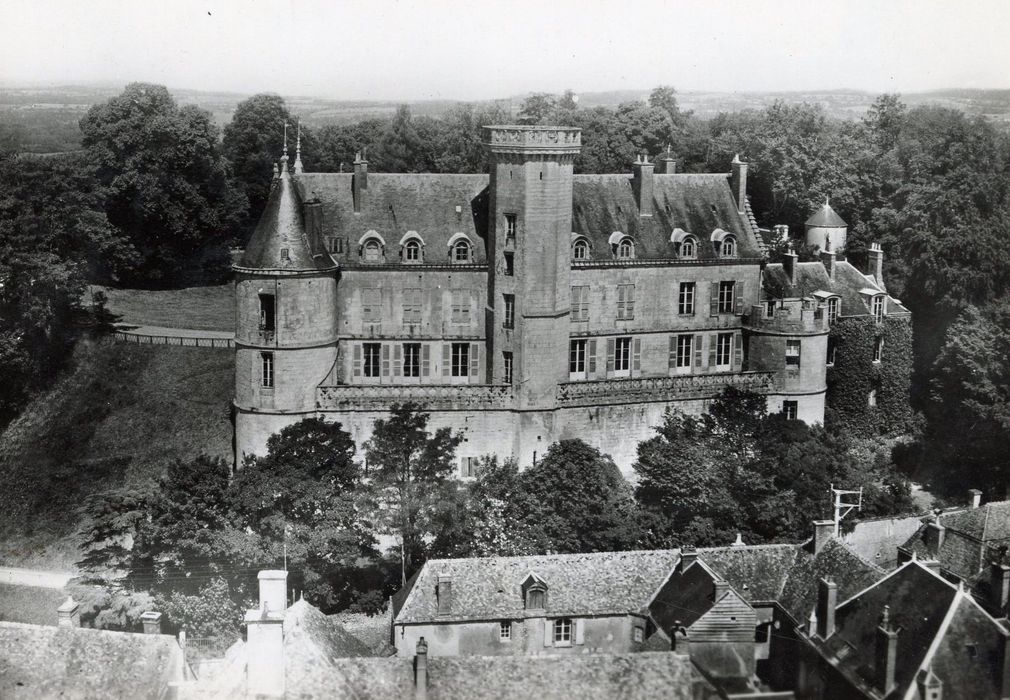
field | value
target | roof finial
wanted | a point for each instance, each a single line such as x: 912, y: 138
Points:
x: 827, y: 200
x: 298, y: 149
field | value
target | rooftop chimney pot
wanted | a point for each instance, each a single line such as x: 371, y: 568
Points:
x: 827, y: 601
x: 974, y: 498
x: 421, y: 670
x: 152, y: 622
x: 642, y: 184
x: 273, y: 590
x: 824, y: 530
x: 738, y: 182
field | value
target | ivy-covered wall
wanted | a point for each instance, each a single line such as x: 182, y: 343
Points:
x: 855, y: 374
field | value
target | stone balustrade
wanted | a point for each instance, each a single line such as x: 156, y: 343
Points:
x: 442, y: 397
x: 645, y: 389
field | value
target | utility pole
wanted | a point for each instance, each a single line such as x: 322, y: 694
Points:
x: 842, y: 503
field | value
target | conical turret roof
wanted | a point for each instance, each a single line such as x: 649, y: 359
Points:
x: 825, y: 217
x: 280, y: 241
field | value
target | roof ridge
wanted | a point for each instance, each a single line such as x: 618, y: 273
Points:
x: 941, y: 631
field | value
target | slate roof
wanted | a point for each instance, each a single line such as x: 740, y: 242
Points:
x: 698, y: 204
x: 826, y: 217
x: 969, y: 533
x: 756, y: 572
x: 281, y: 228
x: 877, y: 539
x: 937, y: 624
x: 685, y: 597
x: 603, y: 583
x: 835, y: 561
x: 39, y: 661
x: 370, y: 630
x: 312, y: 638
x: 812, y: 277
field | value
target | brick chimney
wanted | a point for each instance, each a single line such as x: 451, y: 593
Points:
x: 738, y: 182
x: 789, y: 259
x: 824, y: 530
x: 265, y: 637
x: 667, y: 164
x: 359, y: 182
x: 152, y: 622
x: 886, y: 654
x: 421, y: 670
x: 641, y: 183
x: 688, y: 556
x: 875, y: 264
x: 69, y: 613
x: 934, y: 536
x: 828, y: 260
x: 827, y: 601
x: 720, y: 588
x: 443, y: 594
x: 974, y: 498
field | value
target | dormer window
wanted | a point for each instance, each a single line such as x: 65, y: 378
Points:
x: 411, y: 248
x: 534, y: 591
x: 878, y: 307
x: 626, y: 249
x: 460, y: 249
x: 728, y: 247
x: 833, y: 303
x: 689, y: 248
x: 371, y: 248
x: 580, y: 249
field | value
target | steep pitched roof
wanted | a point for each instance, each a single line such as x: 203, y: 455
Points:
x: 280, y: 241
x: 42, y: 662
x: 812, y: 277
x: 826, y: 217
x: 312, y: 638
x: 699, y: 204
x: 969, y: 532
x: 877, y: 539
x: 685, y: 597
x: 394, y: 204
x: 756, y: 572
x: 836, y: 562
x: 578, y: 584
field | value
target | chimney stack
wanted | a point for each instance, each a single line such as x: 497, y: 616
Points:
x: 667, y: 163
x: 359, y: 181
x: 688, y: 556
x: 152, y: 622
x: 875, y: 262
x: 789, y: 259
x: 1000, y: 587
x: 931, y: 564
x: 934, y: 536
x: 824, y: 530
x: 720, y: 588
x: 827, y: 601
x: 828, y: 260
x: 69, y: 613
x: 443, y: 594
x: 273, y: 591
x: 641, y: 183
x: 265, y: 637
x: 974, y: 498
x: 738, y: 182
x: 421, y: 670
x: 886, y: 654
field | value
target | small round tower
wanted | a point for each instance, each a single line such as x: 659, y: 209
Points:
x: 826, y: 230
x: 286, y: 326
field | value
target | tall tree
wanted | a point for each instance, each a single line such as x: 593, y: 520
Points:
x: 411, y: 472
x: 169, y: 188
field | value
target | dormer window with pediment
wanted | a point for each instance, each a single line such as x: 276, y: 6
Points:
x: 580, y: 249
x: 685, y: 244
x: 724, y: 244
x: 534, y: 592
x: 411, y: 248
x: 460, y: 249
x: 622, y: 246
x: 372, y: 248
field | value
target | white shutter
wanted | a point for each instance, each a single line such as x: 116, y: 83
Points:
x: 580, y: 631
x: 548, y: 633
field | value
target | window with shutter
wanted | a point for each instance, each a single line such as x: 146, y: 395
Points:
x: 727, y: 294
x: 697, y: 351
x: 474, y: 361
x: 356, y: 361
x: 611, y: 345
x: 425, y: 360
x: 371, y: 353
x: 371, y: 305
x: 622, y: 357
x: 738, y: 301
x: 412, y: 360
x: 713, y: 299
x: 397, y: 362
x: 625, y: 302
x: 385, y: 360
x: 446, y: 359
x: 738, y: 352
x: 724, y: 351
x: 671, y: 361
x: 580, y: 304
x: 461, y: 307
x: 637, y: 365
x: 592, y: 358
x: 460, y: 359
x: 685, y: 301
x: 411, y: 305
x: 712, y: 340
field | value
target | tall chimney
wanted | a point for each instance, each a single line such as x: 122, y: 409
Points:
x: 875, y: 262
x: 359, y: 182
x: 273, y: 590
x: 641, y: 183
x: 688, y: 556
x: 152, y: 622
x: 789, y: 259
x: 934, y: 536
x: 265, y: 637
x: 1000, y: 586
x: 827, y: 601
x: 443, y: 594
x: 667, y: 164
x: 828, y: 260
x: 974, y: 498
x: 824, y: 530
x: 720, y: 588
x: 421, y: 670
x: 886, y: 654
x: 738, y: 182
x: 69, y: 613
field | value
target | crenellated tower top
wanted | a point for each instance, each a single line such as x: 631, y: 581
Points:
x: 555, y: 141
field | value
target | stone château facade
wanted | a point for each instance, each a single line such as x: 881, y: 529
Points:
x: 522, y: 307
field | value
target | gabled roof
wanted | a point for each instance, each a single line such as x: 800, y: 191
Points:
x: 489, y: 588
x: 812, y: 277
x: 825, y: 217
x: 698, y: 204
x: 312, y: 638
x: 38, y: 661
x: 685, y: 597
x: 280, y: 241
x: 969, y: 532
x: 836, y: 562
x: 757, y: 572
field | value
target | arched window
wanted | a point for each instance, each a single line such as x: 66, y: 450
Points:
x: 461, y: 251
x: 580, y: 249
x: 689, y: 248
x: 412, y: 251
x: 626, y: 249
x: 371, y: 251
x: 727, y: 248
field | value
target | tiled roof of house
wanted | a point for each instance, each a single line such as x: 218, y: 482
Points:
x: 683, y: 598
x: 698, y: 204
x: 370, y: 630
x: 757, y: 572
x: 812, y: 277
x: 826, y: 217
x: 312, y: 638
x: 939, y: 627
x: 835, y: 561
x: 877, y: 539
x: 280, y: 241
x: 46, y: 662
x: 968, y: 534
x: 578, y: 584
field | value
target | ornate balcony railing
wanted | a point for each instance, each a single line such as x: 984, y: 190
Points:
x: 643, y: 389
x: 380, y: 397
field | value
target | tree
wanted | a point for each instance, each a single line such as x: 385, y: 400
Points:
x: 169, y: 188
x: 586, y: 503
x: 411, y: 472
x: 537, y: 107
x: 400, y: 148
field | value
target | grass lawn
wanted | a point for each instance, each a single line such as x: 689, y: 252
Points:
x: 116, y: 418
x: 199, y: 308
x: 30, y: 604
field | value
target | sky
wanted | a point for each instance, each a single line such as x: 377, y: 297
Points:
x: 483, y: 49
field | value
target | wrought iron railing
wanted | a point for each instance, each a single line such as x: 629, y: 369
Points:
x: 440, y: 397
x: 643, y: 389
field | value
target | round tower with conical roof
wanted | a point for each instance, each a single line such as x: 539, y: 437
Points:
x: 286, y: 325
x: 826, y: 230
